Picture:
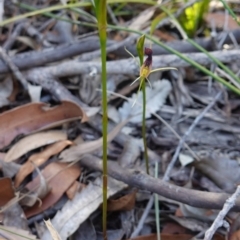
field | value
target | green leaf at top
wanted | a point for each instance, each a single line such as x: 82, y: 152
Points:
x: 140, y: 48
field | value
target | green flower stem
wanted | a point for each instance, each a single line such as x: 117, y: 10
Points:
x: 101, y: 13
x: 144, y: 125
x: 156, y: 205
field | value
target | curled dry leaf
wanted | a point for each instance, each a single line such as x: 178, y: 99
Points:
x: 32, y: 142
x: 34, y: 117
x: 125, y: 203
x: 73, y: 189
x: 6, y: 191
x: 60, y: 177
x: 38, y: 159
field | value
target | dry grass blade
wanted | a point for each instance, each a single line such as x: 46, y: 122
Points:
x: 52, y: 230
x: 14, y: 233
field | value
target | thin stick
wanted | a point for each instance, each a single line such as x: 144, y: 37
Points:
x: 219, y: 221
x: 14, y: 69
x: 183, y: 139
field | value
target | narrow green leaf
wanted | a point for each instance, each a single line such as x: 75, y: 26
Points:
x: 230, y: 11
x: 140, y: 48
x: 155, y: 21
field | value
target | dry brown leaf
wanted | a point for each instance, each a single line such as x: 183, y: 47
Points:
x: 39, y: 158
x: 125, y: 203
x: 219, y: 20
x: 75, y: 152
x: 36, y: 116
x: 63, y: 178
x: 6, y: 191
x: 73, y: 189
x: 173, y: 228
x: 52, y: 230
x: 32, y: 142
x: 235, y: 235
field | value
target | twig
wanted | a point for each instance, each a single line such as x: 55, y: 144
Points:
x: 14, y: 69
x: 10, y: 41
x: 219, y: 221
x: 143, y: 217
x: 138, y: 179
x: 183, y: 139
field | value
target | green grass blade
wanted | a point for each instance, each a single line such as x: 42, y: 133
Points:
x: 234, y: 16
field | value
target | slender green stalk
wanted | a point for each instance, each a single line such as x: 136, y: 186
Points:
x: 144, y: 126
x: 101, y: 12
x: 156, y: 205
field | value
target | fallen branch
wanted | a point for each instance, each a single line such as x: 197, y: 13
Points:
x: 135, y: 178
x: 128, y: 66
x: 38, y: 58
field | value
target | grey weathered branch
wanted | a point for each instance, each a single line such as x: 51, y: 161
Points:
x: 135, y: 178
x: 38, y: 58
x: 128, y: 66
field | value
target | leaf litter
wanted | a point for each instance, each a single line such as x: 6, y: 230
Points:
x: 34, y: 181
